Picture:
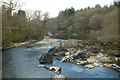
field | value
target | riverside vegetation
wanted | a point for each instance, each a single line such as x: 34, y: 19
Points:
x: 96, y: 28
x: 88, y: 23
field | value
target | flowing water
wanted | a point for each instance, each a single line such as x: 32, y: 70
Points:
x: 22, y: 62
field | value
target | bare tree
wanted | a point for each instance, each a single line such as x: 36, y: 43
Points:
x: 29, y: 14
x: 12, y: 5
x: 45, y: 18
x: 37, y: 14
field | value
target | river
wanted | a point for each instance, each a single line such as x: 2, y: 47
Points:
x: 22, y: 62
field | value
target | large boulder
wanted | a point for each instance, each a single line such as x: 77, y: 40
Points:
x: 46, y: 59
x: 59, y: 77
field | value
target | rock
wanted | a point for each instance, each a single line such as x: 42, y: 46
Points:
x: 54, y: 69
x: 101, y: 65
x: 99, y: 58
x: 116, y: 54
x: 59, y: 77
x: 77, y: 52
x: 63, y: 59
x: 89, y: 66
x: 41, y: 65
x: 96, y: 64
x: 92, y: 59
x: 69, y: 43
x: 61, y: 49
x: 116, y: 58
x: 81, y: 62
x: 58, y: 58
x: 68, y: 58
x: 78, y: 55
x: 57, y: 52
x: 108, y: 65
x: 102, y: 50
x: 103, y: 59
x: 71, y: 49
x: 104, y: 65
x: 100, y: 55
x: 114, y: 65
x: 46, y: 58
x: 85, y: 50
x: 67, y: 53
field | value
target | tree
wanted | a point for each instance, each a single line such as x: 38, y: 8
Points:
x: 110, y: 26
x: 36, y: 24
x: 7, y: 8
x: 70, y: 11
x: 97, y: 6
x: 96, y: 21
x: 37, y: 14
x: 22, y: 13
x: 117, y: 3
x: 20, y: 19
x: 45, y: 18
x: 88, y: 7
x: 45, y: 21
x: 11, y: 5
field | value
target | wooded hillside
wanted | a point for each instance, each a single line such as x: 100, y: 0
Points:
x: 88, y: 23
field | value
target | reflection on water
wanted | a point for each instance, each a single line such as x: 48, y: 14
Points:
x: 21, y: 62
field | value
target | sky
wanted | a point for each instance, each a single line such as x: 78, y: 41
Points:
x: 54, y: 6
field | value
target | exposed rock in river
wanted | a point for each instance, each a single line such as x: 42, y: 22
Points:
x: 93, y: 59
x: 61, y: 49
x: 87, y: 53
x: 54, y: 69
x: 93, y: 65
x: 112, y: 66
x: 41, y: 65
x: 51, y: 68
x: 59, y: 77
x: 46, y: 58
x: 89, y: 66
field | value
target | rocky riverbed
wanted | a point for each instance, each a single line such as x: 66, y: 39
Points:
x: 88, y: 53
x: 23, y: 62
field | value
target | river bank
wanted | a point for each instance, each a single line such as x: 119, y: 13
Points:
x: 88, y: 53
x: 32, y: 43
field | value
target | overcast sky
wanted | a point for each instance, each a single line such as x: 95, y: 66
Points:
x: 54, y: 6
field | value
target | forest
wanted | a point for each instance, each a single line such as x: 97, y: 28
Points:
x: 77, y: 43
x: 100, y: 23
